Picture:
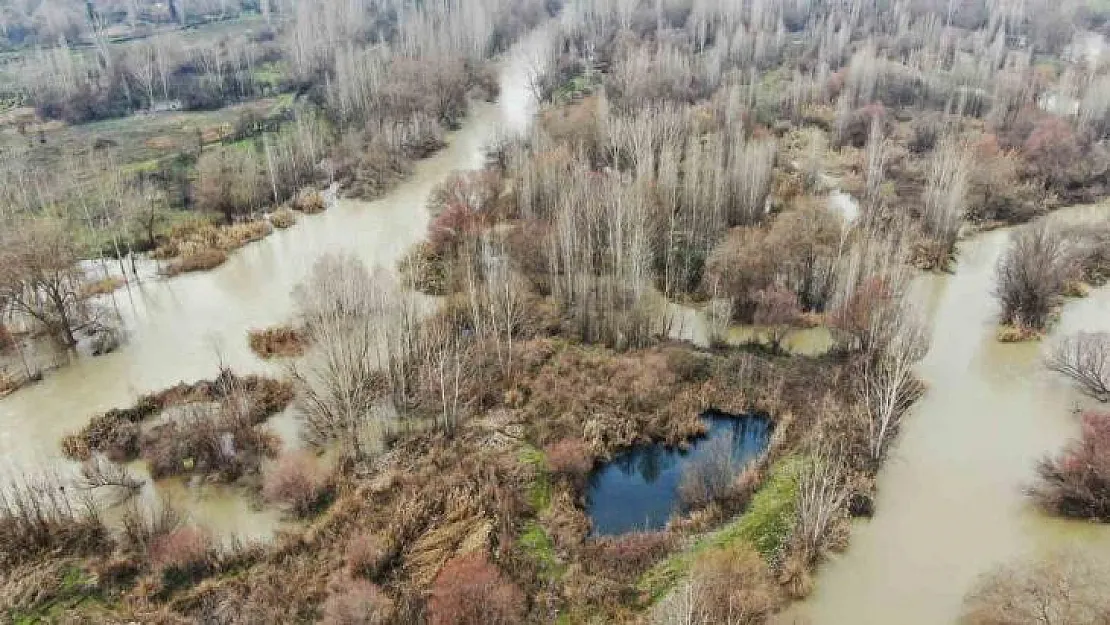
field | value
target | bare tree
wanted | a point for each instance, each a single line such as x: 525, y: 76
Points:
x: 887, y: 386
x: 1031, y: 275
x: 823, y: 491
x: 341, y: 383
x: 39, y: 276
x: 1066, y: 587
x: 1085, y: 358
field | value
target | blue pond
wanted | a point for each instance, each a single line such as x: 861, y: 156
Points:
x: 638, y: 489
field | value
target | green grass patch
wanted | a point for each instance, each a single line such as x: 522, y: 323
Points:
x: 539, y: 491
x: 538, y: 547
x: 764, y: 525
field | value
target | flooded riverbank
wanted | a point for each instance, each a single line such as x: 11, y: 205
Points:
x: 950, y: 505
x: 185, y: 328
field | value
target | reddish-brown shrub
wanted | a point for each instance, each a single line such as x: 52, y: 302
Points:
x: 357, y: 602
x: 470, y: 590
x: 367, y: 555
x: 569, y: 458
x: 626, y: 557
x: 298, y: 481
x: 450, y: 228
x: 1053, y: 151
x: 778, y: 310
x: 1077, y: 482
x: 182, y: 554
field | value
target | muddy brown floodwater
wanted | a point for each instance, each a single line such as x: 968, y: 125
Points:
x: 950, y: 505
x: 181, y: 329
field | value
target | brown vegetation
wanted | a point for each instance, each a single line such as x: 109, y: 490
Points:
x: 726, y: 586
x: 470, y: 590
x: 299, y: 482
x: 212, y: 428
x: 1062, y: 587
x: 283, y: 341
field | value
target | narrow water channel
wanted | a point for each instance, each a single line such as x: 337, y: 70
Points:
x: 950, y: 505
x: 182, y: 329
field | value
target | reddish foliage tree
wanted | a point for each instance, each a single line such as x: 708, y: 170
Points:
x: 777, y: 309
x: 1077, y: 482
x: 470, y: 590
x: 1053, y: 152
x: 448, y: 231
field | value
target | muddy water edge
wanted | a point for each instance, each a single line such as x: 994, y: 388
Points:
x: 950, y: 505
x: 184, y: 328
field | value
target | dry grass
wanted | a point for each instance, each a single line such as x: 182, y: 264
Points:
x: 283, y: 218
x: 100, y: 287
x: 200, y: 245
x: 309, y: 201
x: 278, y: 342
x: 1017, y: 334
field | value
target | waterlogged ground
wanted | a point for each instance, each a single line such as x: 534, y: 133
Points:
x: 183, y: 329
x: 950, y: 505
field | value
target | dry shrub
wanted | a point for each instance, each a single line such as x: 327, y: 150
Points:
x: 7, y: 341
x: 298, y: 481
x: 470, y: 590
x: 357, y: 602
x: 309, y: 201
x: 368, y: 555
x: 283, y: 218
x: 8, y: 383
x: 207, y: 439
x: 730, y: 585
x: 278, y: 342
x: 38, y: 516
x: 1066, y: 587
x: 144, y: 524
x: 569, y: 458
x: 626, y: 557
x: 182, y: 555
x: 1077, y: 482
x: 197, y: 260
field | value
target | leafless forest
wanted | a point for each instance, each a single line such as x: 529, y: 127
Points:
x: 777, y: 166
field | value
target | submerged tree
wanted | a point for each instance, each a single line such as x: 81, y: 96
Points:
x: 1031, y: 275
x: 39, y: 276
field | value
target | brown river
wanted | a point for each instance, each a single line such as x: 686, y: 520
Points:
x: 182, y: 329
x: 950, y: 505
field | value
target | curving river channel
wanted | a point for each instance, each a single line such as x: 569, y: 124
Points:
x: 181, y: 329
x: 950, y: 505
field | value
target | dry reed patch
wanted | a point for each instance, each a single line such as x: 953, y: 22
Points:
x: 309, y: 201
x: 283, y: 218
x: 278, y: 342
